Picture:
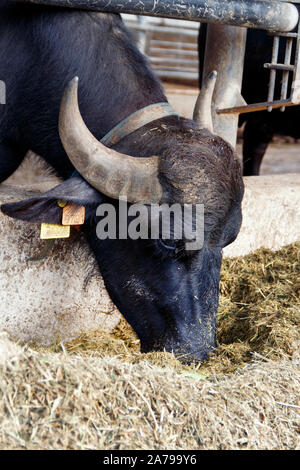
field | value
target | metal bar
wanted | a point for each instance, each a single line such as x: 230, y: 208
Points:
x: 251, y: 108
x: 167, y: 60
x: 273, y: 71
x: 295, y: 93
x: 182, y: 74
x: 141, y: 41
x: 175, y: 69
x: 286, y: 68
x: 224, y: 52
x: 156, y: 42
x: 285, y: 74
x: 283, y: 35
x: 269, y: 15
x: 148, y: 42
x: 173, y: 51
x: 186, y: 92
x: 166, y: 29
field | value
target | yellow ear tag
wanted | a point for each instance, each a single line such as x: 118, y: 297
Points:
x: 73, y: 215
x: 49, y: 231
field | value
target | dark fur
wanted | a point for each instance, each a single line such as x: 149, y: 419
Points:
x: 170, y: 298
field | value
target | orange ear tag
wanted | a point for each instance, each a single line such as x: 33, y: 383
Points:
x: 73, y: 215
x: 49, y: 231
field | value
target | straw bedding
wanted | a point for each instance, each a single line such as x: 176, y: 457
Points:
x: 100, y: 392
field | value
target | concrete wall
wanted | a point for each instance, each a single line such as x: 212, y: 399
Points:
x: 271, y: 214
x: 58, y: 297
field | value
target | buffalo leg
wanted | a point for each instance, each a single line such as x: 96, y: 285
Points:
x: 11, y: 156
x: 257, y: 136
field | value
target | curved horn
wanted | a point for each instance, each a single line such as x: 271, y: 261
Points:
x: 110, y: 172
x: 202, y: 110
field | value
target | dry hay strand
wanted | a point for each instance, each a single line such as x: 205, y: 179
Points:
x: 259, y: 317
x: 60, y: 401
x: 100, y: 392
x: 260, y: 306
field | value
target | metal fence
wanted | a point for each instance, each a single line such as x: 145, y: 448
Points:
x: 171, y: 46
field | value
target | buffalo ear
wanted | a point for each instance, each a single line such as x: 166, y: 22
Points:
x: 44, y: 207
x: 35, y: 209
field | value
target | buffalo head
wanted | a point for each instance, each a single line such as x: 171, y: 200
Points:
x: 168, y: 293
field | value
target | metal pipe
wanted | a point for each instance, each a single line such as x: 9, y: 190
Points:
x: 173, y: 51
x: 167, y: 29
x: 186, y: 45
x: 285, y: 74
x: 182, y: 74
x: 263, y: 14
x: 273, y: 71
x: 295, y: 93
x: 177, y: 61
x: 224, y: 52
x: 284, y: 67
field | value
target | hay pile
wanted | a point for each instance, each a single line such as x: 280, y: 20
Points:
x: 52, y: 401
x: 100, y: 392
x: 259, y: 307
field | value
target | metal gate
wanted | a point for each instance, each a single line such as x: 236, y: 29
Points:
x: 228, y: 21
x: 171, y: 46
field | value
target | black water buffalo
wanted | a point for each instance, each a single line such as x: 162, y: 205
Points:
x: 167, y: 293
x: 261, y: 126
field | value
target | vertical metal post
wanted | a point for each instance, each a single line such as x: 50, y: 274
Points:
x: 296, y: 76
x: 142, y: 41
x: 273, y: 71
x: 285, y: 73
x: 224, y: 52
